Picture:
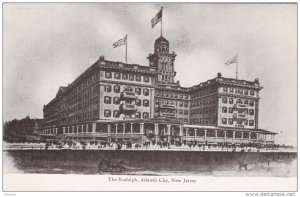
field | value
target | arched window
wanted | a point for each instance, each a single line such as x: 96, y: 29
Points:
x: 107, y: 74
x: 224, y: 99
x: 116, y: 100
x: 116, y: 114
x: 116, y: 88
x: 146, y: 103
x: 224, y: 120
x: 230, y: 100
x: 138, y: 102
x: 251, y: 123
x: 251, y: 112
x: 107, y: 99
x: 124, y: 76
x: 138, y: 78
x: 117, y: 75
x: 138, y: 91
x: 107, y: 113
x: 224, y: 109
x: 108, y: 88
x: 146, y: 91
x: 145, y: 115
x: 157, y: 101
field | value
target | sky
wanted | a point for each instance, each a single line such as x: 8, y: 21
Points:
x: 48, y: 45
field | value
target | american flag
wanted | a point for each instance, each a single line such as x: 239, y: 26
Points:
x: 120, y: 42
x: 157, y: 18
x: 232, y: 60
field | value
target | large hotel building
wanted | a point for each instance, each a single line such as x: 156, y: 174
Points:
x: 115, y: 101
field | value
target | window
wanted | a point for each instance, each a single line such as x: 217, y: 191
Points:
x: 146, y: 79
x: 230, y: 100
x: 146, y: 103
x: 186, y: 104
x: 116, y: 88
x: 252, y: 93
x: 138, y: 114
x: 251, y: 112
x: 251, y: 123
x: 246, y: 92
x: 175, y: 95
x: 231, y: 90
x: 246, y: 122
x: 138, y: 91
x: 186, y: 112
x: 181, y: 111
x: 116, y: 100
x: 131, y: 77
x: 224, y: 100
x: 180, y: 104
x: 157, y: 101
x: 116, y: 114
x: 186, y: 96
x: 230, y: 121
x: 181, y: 96
x: 124, y: 76
x: 138, y: 78
x: 117, y: 75
x: 246, y: 102
x: 224, y: 120
x: 107, y: 74
x: 246, y: 111
x: 108, y: 88
x: 146, y: 91
x: 225, y: 89
x: 251, y: 103
x: 224, y: 109
x: 107, y: 100
x: 145, y: 115
x: 138, y: 102
x: 230, y: 110
x: 107, y: 113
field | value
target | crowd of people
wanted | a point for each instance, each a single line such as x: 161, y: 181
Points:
x: 160, y: 145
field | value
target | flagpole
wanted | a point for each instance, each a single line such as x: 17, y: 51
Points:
x: 126, y: 50
x: 161, y: 22
x: 237, y: 65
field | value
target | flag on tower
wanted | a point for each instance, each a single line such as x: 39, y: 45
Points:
x: 157, y: 18
x: 232, y: 60
x: 120, y: 42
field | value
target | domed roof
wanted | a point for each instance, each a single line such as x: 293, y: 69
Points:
x: 161, y: 40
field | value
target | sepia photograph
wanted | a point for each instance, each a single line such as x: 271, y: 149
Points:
x: 149, y: 96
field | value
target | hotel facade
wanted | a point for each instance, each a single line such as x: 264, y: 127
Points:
x: 115, y: 101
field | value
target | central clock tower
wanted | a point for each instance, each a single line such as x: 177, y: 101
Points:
x: 163, y: 61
